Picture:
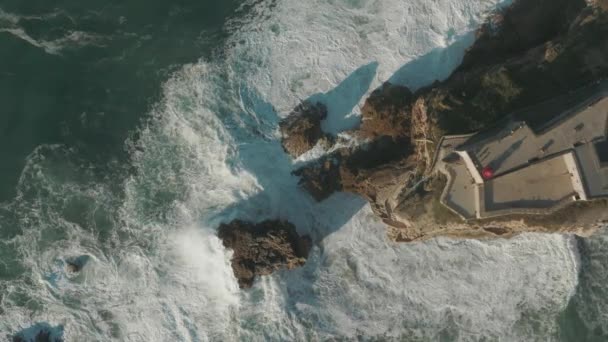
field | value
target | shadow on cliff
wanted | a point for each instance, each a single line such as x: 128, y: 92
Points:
x: 341, y: 100
x: 260, y: 153
x: 436, y: 65
x: 439, y: 63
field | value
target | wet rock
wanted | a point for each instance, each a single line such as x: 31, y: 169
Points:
x: 40, y: 332
x: 73, y: 268
x: 497, y: 230
x: 301, y: 130
x: 363, y: 170
x: 75, y: 265
x: 263, y: 248
x: 322, y: 178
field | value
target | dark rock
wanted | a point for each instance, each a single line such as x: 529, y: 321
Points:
x: 322, y: 178
x: 75, y: 265
x: 262, y: 248
x: 497, y: 230
x: 301, y: 130
x: 363, y: 170
x: 72, y: 268
x: 520, y: 27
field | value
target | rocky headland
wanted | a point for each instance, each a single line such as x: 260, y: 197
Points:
x: 529, y: 52
x: 525, y: 54
x: 262, y: 248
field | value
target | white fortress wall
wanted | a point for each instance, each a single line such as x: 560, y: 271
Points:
x: 470, y: 166
x: 575, y: 176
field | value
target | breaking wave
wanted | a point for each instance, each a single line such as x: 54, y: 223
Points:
x: 211, y: 153
x: 13, y: 24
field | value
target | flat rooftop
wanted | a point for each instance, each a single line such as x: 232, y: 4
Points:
x: 535, y: 171
x: 542, y: 185
x: 461, y: 193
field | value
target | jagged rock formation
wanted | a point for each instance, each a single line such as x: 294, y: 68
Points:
x: 262, y: 248
x: 301, y: 130
x: 386, y: 113
x: 385, y: 125
x: 529, y: 52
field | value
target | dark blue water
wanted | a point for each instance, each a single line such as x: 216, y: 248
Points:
x: 96, y: 71
x: 77, y: 80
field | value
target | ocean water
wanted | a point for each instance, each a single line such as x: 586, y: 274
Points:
x: 130, y: 131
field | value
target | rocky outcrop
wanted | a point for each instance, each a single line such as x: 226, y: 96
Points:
x: 74, y: 265
x: 517, y: 28
x: 263, y: 248
x: 301, y: 130
x: 386, y: 113
x: 529, y: 52
x: 386, y: 130
x: 323, y: 177
x: 377, y: 168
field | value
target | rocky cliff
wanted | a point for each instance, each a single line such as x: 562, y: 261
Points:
x: 529, y: 52
x: 262, y: 248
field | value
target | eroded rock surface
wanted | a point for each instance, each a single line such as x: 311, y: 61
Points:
x: 263, y: 248
x: 386, y: 112
x: 301, y: 130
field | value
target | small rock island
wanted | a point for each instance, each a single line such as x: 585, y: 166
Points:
x: 262, y: 248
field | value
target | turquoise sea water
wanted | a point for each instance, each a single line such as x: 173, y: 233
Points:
x: 128, y: 131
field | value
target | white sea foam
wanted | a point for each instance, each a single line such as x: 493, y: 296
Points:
x: 311, y: 47
x: 211, y: 153
x: 10, y: 24
x: 72, y: 39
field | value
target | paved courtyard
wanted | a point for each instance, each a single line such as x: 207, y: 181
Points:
x: 461, y: 195
x: 534, y: 171
x: 541, y: 185
x: 517, y: 144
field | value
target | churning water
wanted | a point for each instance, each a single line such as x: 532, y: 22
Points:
x: 207, y: 150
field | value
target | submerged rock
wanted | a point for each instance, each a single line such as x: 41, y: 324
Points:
x: 262, y: 248
x: 40, y: 332
x: 301, y: 130
x: 75, y: 265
